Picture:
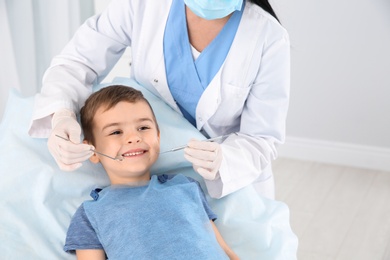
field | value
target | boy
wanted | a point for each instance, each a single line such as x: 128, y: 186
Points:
x: 138, y: 216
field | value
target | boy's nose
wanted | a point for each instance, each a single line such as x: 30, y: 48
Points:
x: 133, y: 138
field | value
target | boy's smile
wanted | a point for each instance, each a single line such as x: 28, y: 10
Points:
x: 130, y: 130
x: 133, y: 153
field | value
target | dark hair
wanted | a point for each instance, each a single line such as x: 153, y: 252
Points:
x: 266, y: 6
x: 108, y: 97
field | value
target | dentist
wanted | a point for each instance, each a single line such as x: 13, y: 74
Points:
x: 223, y: 64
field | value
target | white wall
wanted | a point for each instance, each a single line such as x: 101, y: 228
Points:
x: 340, y: 88
x: 32, y: 32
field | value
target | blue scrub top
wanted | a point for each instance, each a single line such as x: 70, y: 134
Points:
x: 187, y: 79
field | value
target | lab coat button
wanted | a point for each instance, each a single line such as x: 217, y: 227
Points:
x: 156, y: 80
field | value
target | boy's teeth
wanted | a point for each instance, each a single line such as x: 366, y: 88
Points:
x: 133, y: 154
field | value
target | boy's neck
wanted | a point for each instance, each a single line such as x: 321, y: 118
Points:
x: 133, y: 182
x: 137, y: 183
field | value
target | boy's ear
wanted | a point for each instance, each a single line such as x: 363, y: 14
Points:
x: 94, y: 157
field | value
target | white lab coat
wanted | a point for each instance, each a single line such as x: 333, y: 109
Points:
x: 249, y: 94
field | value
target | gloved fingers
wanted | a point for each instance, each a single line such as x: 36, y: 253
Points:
x: 68, y: 157
x: 201, y: 154
x: 68, y: 167
x: 207, y: 163
x: 60, y: 145
x: 68, y: 153
x: 74, y: 148
x: 202, y: 145
x: 206, y: 157
x: 207, y: 174
x: 74, y: 133
x: 62, y: 164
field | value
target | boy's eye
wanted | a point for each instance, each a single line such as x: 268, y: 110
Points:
x: 116, y: 132
x: 143, y: 128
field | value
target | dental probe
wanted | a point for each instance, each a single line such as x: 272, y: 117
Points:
x: 116, y: 158
x: 207, y: 140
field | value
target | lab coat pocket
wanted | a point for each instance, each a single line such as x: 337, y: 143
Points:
x: 231, y: 106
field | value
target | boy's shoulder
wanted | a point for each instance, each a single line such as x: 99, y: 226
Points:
x: 167, y: 177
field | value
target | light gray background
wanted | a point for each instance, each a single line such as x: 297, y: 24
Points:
x: 340, y: 83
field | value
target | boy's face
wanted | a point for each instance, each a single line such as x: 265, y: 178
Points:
x: 127, y: 129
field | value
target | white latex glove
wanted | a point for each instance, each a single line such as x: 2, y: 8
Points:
x: 206, y: 157
x: 69, y: 155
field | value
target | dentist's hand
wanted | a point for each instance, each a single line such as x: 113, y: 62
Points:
x: 206, y: 157
x: 69, y: 155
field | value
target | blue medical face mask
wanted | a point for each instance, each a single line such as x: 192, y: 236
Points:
x: 213, y: 9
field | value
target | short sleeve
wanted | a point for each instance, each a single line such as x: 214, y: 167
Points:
x: 206, y: 206
x: 81, y: 234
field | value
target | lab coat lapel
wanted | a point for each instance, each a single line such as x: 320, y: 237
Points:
x: 151, y: 57
x: 182, y: 74
x: 234, y: 70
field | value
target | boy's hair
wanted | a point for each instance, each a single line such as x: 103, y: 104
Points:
x: 108, y: 97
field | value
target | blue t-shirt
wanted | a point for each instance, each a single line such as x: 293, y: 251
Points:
x: 167, y: 219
